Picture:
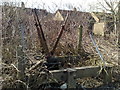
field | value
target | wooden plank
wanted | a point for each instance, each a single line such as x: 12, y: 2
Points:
x: 70, y: 75
x: 89, y: 71
x: 81, y: 72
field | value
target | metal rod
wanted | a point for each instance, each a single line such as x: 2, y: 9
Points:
x: 99, y: 53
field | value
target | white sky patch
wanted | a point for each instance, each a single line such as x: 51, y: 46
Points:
x: 53, y: 5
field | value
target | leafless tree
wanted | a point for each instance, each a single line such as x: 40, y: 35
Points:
x: 111, y: 6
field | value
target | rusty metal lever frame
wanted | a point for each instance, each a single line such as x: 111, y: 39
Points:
x: 59, y: 35
x: 40, y: 33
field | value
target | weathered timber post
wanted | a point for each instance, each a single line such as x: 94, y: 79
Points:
x: 1, y: 42
x: 71, y: 78
x: 1, y: 45
x: 80, y: 39
x: 119, y: 36
x: 21, y: 63
x: 107, y: 75
x: 119, y: 33
x: 21, y: 44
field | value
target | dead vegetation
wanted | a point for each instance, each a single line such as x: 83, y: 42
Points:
x: 19, y: 30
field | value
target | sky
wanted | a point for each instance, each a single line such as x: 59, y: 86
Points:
x: 61, y: 4
x: 53, y: 5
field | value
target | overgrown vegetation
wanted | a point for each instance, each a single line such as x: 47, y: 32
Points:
x: 21, y: 45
